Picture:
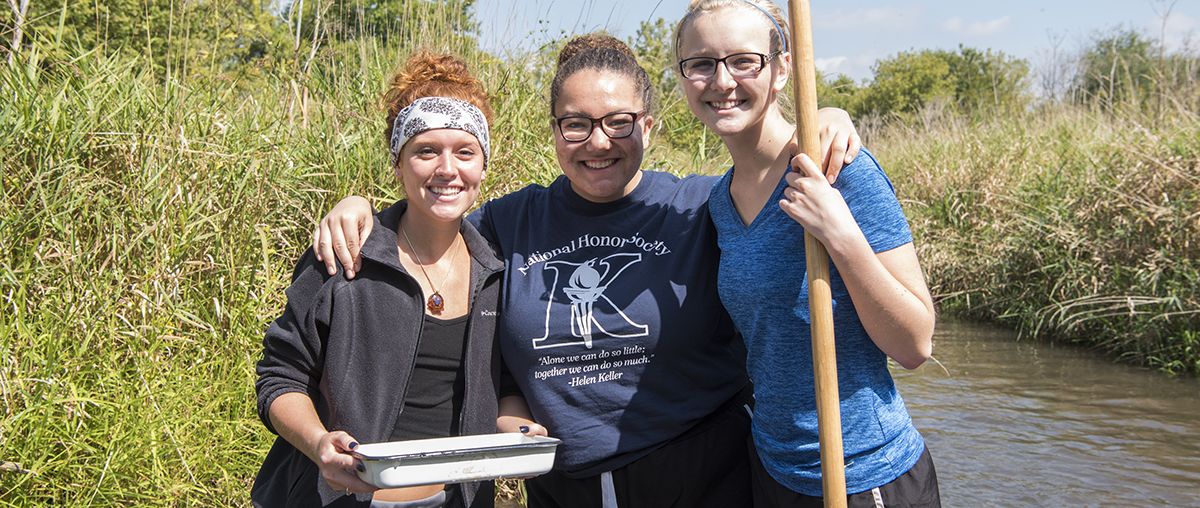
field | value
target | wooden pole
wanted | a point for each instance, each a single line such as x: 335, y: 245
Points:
x: 820, y: 303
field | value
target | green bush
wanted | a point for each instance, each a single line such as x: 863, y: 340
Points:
x: 908, y: 82
x: 968, y: 81
x: 1117, y: 68
x: 206, y: 36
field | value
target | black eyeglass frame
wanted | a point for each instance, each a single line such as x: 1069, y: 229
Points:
x: 592, y: 125
x: 763, y: 61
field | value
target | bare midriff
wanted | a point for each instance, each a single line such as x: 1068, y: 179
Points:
x: 407, y: 493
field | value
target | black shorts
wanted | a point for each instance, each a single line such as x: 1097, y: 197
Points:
x: 916, y: 488
x: 706, y: 466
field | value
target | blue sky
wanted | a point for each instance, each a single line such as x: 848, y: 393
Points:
x: 850, y: 35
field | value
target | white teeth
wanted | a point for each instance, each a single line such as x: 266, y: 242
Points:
x: 725, y: 104
x: 599, y: 164
x: 445, y: 191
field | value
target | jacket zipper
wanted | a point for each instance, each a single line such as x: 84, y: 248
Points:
x: 416, y: 350
x: 462, y: 415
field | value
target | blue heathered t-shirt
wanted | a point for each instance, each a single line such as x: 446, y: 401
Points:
x: 764, y: 286
x: 610, y: 321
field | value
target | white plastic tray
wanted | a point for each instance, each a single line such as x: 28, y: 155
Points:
x: 455, y: 459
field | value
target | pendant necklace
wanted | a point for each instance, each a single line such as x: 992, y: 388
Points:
x: 435, y: 302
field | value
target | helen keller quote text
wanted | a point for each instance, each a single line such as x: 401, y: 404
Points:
x: 591, y: 367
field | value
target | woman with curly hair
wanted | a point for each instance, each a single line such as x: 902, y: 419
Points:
x: 405, y: 350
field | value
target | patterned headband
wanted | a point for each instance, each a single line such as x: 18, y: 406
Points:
x: 429, y: 113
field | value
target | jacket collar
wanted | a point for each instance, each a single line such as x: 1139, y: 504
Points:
x: 381, y: 245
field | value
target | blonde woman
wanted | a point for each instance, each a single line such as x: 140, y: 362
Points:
x: 734, y: 66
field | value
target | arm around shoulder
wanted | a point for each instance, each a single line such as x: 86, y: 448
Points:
x: 340, y: 235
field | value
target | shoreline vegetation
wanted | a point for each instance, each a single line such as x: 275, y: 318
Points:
x: 162, y: 168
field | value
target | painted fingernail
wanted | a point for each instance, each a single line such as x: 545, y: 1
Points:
x: 353, y: 445
x: 524, y: 429
x: 360, y: 467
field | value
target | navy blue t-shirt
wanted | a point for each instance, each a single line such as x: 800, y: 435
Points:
x: 610, y: 323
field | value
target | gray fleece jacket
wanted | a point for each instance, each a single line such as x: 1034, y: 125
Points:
x: 351, y: 345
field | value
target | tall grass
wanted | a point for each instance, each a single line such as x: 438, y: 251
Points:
x: 149, y: 227
x: 1066, y: 222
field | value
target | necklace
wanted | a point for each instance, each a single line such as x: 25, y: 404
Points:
x: 435, y: 302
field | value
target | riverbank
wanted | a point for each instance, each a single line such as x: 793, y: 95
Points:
x: 1063, y: 223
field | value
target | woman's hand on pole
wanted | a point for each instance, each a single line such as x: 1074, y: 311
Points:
x: 340, y: 235
x: 811, y: 201
x: 840, y: 141
x: 888, y: 288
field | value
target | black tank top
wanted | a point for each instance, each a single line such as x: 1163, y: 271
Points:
x: 435, y: 392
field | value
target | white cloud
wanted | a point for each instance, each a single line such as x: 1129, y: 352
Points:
x: 858, y: 66
x: 831, y: 66
x: 991, y: 27
x: 890, y: 18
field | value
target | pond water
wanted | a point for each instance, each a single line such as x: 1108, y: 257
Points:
x: 1024, y: 423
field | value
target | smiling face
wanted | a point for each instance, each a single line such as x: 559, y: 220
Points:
x: 726, y: 104
x: 441, y: 170
x: 601, y: 169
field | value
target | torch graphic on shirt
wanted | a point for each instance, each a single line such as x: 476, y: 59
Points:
x: 584, y: 289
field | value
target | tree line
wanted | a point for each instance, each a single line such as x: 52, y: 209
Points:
x: 199, y: 38
x: 251, y: 37
x: 1119, y: 68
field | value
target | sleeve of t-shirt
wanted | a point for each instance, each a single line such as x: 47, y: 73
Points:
x: 508, y: 384
x: 482, y: 220
x: 872, y: 200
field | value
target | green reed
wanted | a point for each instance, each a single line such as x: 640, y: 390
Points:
x: 1065, y: 222
x: 149, y: 227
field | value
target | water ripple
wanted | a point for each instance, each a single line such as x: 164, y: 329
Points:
x: 1019, y: 423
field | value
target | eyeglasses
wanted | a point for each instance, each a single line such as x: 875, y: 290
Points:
x: 741, y: 65
x: 575, y: 129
